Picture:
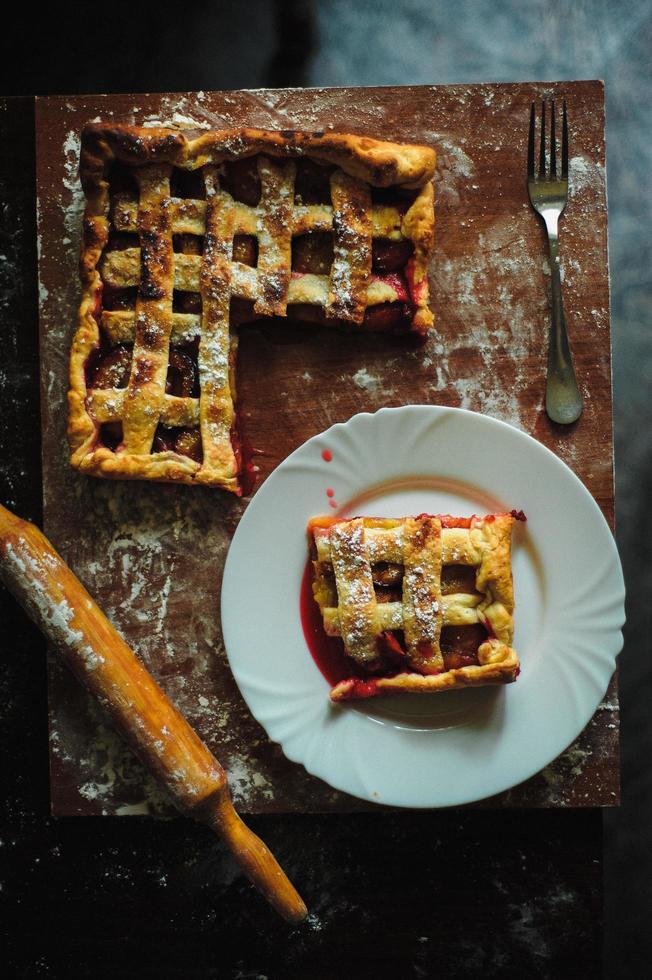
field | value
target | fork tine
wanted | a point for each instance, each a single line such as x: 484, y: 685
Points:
x: 542, y: 152
x: 530, y: 145
x: 553, y: 143
x: 564, y: 144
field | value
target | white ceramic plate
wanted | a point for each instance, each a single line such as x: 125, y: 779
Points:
x: 451, y: 748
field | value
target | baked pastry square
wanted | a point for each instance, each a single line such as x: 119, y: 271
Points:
x: 188, y: 234
x: 421, y: 604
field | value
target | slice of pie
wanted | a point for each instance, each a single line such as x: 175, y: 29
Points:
x: 421, y: 604
x: 188, y: 234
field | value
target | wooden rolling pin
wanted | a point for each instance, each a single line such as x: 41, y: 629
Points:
x: 160, y: 735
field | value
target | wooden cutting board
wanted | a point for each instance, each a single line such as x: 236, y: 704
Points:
x: 152, y: 555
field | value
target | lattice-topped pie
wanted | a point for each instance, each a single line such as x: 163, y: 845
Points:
x: 421, y: 604
x: 187, y: 235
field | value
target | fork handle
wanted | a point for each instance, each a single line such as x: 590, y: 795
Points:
x: 563, y: 399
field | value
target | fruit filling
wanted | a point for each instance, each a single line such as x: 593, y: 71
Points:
x: 121, y: 180
x: 183, y: 377
x: 459, y: 645
x: 245, y: 249
x: 119, y: 299
x: 188, y: 244
x: 110, y: 435
x: 312, y: 183
x: 389, y: 255
x: 187, y: 184
x: 312, y: 253
x: 109, y: 368
x: 120, y: 241
x: 183, y: 302
x: 240, y: 178
x: 185, y: 441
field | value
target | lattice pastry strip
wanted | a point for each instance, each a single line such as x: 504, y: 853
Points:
x: 274, y: 233
x: 188, y: 216
x: 351, y: 269
x: 121, y: 270
x: 216, y: 403
x: 143, y: 400
x: 174, y: 244
x: 350, y: 556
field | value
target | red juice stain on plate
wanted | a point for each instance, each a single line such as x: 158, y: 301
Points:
x: 326, y: 651
x: 333, y: 504
x: 330, y: 492
x: 327, y: 455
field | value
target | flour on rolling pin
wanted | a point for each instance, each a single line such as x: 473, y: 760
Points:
x: 95, y: 651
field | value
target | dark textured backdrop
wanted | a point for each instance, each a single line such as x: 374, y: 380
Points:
x: 393, y: 894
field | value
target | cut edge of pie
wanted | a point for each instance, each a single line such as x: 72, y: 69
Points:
x: 386, y: 588
x: 139, y: 428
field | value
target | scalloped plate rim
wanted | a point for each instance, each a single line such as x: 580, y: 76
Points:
x: 256, y: 699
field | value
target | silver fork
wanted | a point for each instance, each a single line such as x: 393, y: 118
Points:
x: 548, y: 193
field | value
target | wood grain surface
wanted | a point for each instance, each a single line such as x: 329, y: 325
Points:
x: 152, y: 555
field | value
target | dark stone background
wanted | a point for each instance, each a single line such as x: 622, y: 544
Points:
x: 460, y: 894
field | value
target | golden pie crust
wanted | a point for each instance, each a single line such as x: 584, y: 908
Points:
x: 155, y: 271
x: 350, y: 559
